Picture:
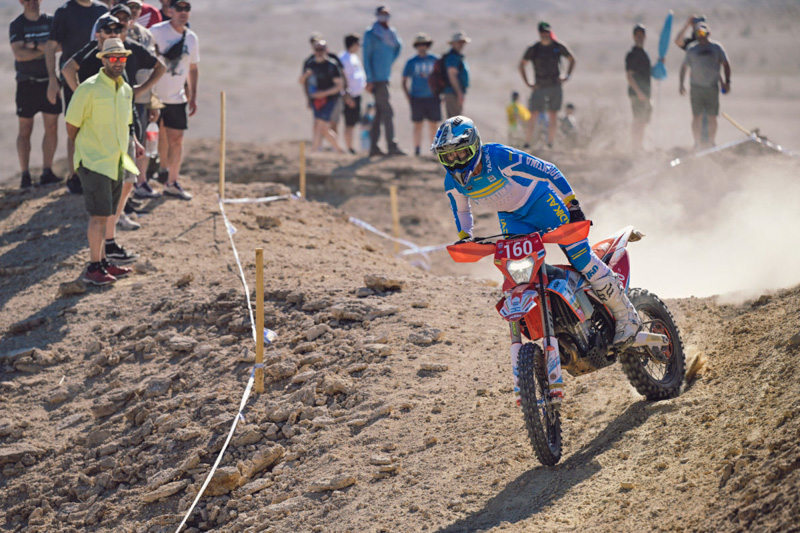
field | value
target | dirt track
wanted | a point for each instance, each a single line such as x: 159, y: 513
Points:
x: 115, y: 407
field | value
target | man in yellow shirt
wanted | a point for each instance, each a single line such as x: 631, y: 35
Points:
x: 98, y: 119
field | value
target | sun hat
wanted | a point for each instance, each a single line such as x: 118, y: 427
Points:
x: 422, y: 38
x: 459, y: 37
x: 113, y: 47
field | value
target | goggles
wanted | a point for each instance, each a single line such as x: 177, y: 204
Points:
x: 459, y: 156
x: 117, y: 59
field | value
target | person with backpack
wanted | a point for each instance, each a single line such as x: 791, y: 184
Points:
x: 424, y: 104
x: 457, y: 75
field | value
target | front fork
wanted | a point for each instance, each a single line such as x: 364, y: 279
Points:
x: 549, y: 343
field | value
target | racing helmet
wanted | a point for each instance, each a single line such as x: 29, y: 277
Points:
x: 458, y: 146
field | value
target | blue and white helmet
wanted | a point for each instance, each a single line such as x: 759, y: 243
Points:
x: 458, y: 146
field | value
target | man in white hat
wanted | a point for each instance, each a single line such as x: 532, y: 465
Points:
x: 457, y: 75
x: 98, y: 119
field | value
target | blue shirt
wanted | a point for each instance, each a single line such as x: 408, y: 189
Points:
x: 456, y: 60
x: 418, y: 69
x: 508, y: 179
x: 381, y: 48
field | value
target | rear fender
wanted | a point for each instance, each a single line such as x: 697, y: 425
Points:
x: 566, y: 289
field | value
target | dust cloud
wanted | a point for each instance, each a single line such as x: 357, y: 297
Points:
x: 723, y: 225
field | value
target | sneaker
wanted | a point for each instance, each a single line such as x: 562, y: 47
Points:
x: 395, y: 150
x: 98, y: 276
x: 162, y: 176
x: 145, y: 191
x: 351, y: 151
x: 127, y: 223
x: 175, y: 189
x: 74, y: 184
x: 48, y: 178
x: 119, y: 254
x: 376, y: 151
x: 134, y: 202
x: 25, y: 182
x: 115, y: 270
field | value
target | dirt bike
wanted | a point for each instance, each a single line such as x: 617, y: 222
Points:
x: 557, y: 305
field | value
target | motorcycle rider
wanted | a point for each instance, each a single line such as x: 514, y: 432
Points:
x: 529, y: 195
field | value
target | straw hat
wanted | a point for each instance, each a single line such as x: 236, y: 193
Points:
x: 113, y: 47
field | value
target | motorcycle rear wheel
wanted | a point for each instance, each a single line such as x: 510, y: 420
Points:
x: 542, y: 422
x: 655, y: 373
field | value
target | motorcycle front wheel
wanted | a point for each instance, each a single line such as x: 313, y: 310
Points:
x: 541, y: 420
x: 655, y: 373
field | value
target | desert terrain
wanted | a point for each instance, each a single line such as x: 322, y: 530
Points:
x: 388, y: 403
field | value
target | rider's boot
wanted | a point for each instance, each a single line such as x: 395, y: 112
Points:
x: 609, y: 290
x: 515, y: 348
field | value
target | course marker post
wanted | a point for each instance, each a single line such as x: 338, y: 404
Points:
x: 736, y: 124
x: 395, y: 217
x: 302, y: 169
x: 259, y: 320
x: 222, y: 145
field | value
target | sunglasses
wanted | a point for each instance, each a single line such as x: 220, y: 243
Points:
x: 116, y: 30
x: 117, y: 59
x: 186, y: 8
x: 458, y: 156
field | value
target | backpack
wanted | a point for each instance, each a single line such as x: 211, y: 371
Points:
x: 438, y: 80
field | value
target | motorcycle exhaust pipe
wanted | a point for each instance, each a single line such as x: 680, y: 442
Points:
x: 650, y: 340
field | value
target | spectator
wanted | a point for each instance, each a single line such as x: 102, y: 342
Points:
x: 638, y: 72
x: 366, y: 126
x: 180, y: 48
x: 547, y: 94
x: 704, y: 59
x: 85, y: 64
x: 382, y: 45
x: 147, y: 105
x: 322, y: 82
x: 424, y: 104
x: 147, y: 15
x: 164, y: 11
x: 457, y: 75
x: 681, y: 41
x: 356, y: 79
x: 101, y: 137
x: 72, y: 25
x: 568, y: 124
x: 517, y: 115
x: 29, y: 33
x: 336, y: 113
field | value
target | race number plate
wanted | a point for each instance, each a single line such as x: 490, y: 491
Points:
x: 517, y: 249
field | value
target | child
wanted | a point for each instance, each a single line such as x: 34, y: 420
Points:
x: 517, y: 115
x: 366, y: 125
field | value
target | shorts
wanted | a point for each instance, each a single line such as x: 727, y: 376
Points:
x: 352, y: 114
x: 174, y: 116
x: 546, y: 99
x: 101, y: 194
x: 641, y: 110
x: 336, y: 114
x: 451, y: 105
x: 705, y: 100
x: 426, y: 109
x: 32, y: 99
x: 323, y: 107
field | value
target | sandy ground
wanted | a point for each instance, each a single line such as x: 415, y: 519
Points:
x: 384, y: 410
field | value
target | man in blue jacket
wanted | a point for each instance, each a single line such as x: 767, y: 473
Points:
x: 381, y: 47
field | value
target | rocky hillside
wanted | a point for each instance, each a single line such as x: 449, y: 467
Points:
x: 388, y: 404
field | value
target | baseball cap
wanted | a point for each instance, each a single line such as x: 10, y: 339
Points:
x: 121, y: 8
x: 639, y: 27
x: 544, y: 26
x: 174, y: 3
x: 702, y: 27
x: 106, y: 20
x: 138, y: 2
x: 315, y: 36
x: 381, y: 9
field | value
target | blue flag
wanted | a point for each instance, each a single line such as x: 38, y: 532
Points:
x: 659, y: 70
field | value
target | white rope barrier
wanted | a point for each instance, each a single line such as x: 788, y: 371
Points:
x: 262, y: 200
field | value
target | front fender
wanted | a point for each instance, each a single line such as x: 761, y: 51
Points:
x: 519, y: 303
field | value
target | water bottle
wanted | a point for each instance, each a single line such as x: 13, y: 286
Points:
x: 151, y: 140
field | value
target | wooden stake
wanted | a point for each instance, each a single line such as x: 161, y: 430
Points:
x: 222, y: 146
x: 395, y: 217
x: 259, y: 377
x: 303, y: 169
x: 736, y: 124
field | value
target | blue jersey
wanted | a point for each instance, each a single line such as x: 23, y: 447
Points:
x: 509, y: 180
x: 418, y: 69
